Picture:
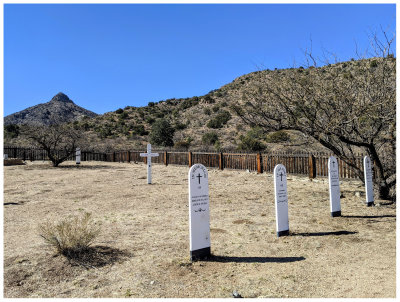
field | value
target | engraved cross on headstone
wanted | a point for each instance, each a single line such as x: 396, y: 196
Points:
x: 199, y: 176
x: 149, y: 155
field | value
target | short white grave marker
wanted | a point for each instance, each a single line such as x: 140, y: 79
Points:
x: 199, y: 213
x: 281, y: 201
x: 334, y: 189
x: 369, y: 187
x: 78, y: 156
x: 149, y: 155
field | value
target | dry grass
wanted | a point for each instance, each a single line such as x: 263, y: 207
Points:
x: 143, y: 250
x: 71, y: 236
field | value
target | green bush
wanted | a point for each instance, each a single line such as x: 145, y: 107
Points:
x: 123, y: 115
x: 71, y: 236
x: 139, y: 130
x: 208, y: 99
x: 150, y: 120
x: 11, y: 131
x: 215, y: 108
x: 119, y: 111
x: 180, y: 126
x: 207, y: 111
x: 278, y: 137
x: 219, y: 120
x: 162, y: 133
x: 248, y: 143
x: 373, y: 63
x: 210, y: 138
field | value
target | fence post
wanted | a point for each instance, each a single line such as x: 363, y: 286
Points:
x: 259, y: 163
x: 190, y: 158
x: 128, y: 156
x: 312, y: 168
x: 15, y: 153
x: 24, y: 155
x: 113, y: 156
x: 221, y: 161
x: 166, y: 158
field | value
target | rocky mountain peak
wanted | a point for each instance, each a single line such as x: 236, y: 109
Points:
x: 60, y: 109
x: 61, y: 97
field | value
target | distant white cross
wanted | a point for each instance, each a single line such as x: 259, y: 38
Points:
x: 149, y: 155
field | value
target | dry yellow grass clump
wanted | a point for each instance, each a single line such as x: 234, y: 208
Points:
x: 143, y: 248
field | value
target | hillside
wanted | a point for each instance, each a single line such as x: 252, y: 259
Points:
x: 60, y: 109
x: 204, y: 122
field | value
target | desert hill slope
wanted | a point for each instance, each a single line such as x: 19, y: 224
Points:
x: 208, y: 121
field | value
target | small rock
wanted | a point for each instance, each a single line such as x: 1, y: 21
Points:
x: 235, y: 294
x: 152, y: 282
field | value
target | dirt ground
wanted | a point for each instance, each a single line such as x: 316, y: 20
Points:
x: 143, y: 248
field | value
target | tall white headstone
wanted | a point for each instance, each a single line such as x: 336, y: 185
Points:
x: 199, y: 213
x: 369, y: 187
x: 334, y: 188
x: 149, y: 155
x: 78, y: 156
x: 281, y: 201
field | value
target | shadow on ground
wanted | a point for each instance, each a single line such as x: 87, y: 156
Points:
x: 98, y: 256
x: 215, y: 258
x: 324, y: 233
x: 77, y: 167
x: 374, y: 216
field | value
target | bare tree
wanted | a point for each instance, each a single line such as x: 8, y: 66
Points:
x: 347, y: 107
x: 59, y: 141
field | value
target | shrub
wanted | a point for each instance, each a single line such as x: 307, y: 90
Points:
x: 119, y: 111
x: 162, y: 133
x: 71, y: 236
x: 248, y: 143
x: 11, y: 131
x: 207, y: 111
x: 210, y: 138
x: 373, y: 63
x: 278, y: 137
x: 123, y: 115
x: 219, y: 120
x: 208, y: 99
x: 215, y: 108
x: 180, y: 126
x: 150, y: 120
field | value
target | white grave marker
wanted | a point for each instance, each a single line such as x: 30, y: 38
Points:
x: 369, y: 187
x: 78, y: 156
x: 334, y: 189
x: 281, y: 201
x: 199, y: 213
x: 149, y: 155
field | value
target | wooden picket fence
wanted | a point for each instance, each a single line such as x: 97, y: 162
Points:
x: 313, y: 165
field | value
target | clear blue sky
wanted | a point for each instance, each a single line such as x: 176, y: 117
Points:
x: 109, y: 56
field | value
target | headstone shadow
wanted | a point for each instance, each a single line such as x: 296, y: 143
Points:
x: 366, y: 216
x: 12, y: 204
x: 324, y: 233
x: 216, y: 258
